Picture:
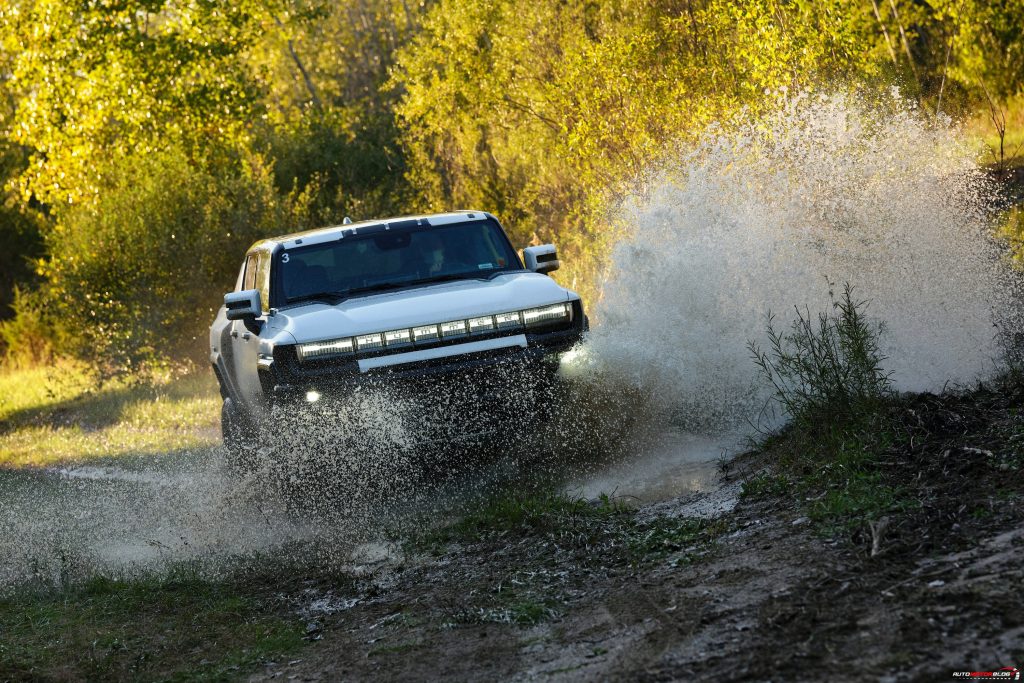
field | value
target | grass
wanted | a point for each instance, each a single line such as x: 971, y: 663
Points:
x: 30, y: 389
x: 519, y: 514
x: 58, y: 414
x: 603, y: 531
x: 523, y: 611
x: 832, y: 474
x: 662, y: 537
x: 177, y: 628
x: 765, y: 486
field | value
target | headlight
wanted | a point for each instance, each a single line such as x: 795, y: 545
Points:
x: 324, y: 349
x: 536, y: 317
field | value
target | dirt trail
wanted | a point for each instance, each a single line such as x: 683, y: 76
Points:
x: 769, y: 599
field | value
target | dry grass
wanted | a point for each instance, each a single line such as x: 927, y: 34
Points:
x: 982, y: 131
x: 58, y: 414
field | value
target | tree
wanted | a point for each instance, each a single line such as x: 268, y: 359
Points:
x: 104, y: 79
x: 548, y: 112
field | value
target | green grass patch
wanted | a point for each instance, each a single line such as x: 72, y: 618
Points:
x: 603, y: 531
x: 765, y: 486
x: 179, y: 628
x: 529, y: 514
x: 59, y: 414
x: 32, y: 389
x: 664, y: 536
x: 512, y: 609
x: 833, y: 473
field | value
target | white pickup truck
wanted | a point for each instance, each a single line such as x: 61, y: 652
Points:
x: 317, y: 314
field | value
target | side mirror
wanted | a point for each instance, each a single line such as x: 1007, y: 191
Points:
x: 243, y: 305
x: 542, y: 259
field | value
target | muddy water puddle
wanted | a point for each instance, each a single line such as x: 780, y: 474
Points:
x: 668, y: 465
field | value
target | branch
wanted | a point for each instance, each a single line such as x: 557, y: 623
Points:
x: 903, y: 38
x: 949, y: 48
x: 302, y: 69
x: 885, y: 32
x: 551, y: 123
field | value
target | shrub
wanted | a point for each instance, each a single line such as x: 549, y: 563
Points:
x: 1011, y: 229
x: 135, y: 278
x: 828, y: 370
x: 29, y: 337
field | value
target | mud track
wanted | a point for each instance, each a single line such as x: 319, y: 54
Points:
x: 761, y: 594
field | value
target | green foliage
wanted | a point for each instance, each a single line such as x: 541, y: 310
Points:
x: 1011, y: 229
x: 347, y: 167
x: 21, y: 225
x: 546, y: 113
x: 139, y: 274
x: 827, y: 371
x: 985, y: 41
x: 32, y: 334
x: 101, y: 82
x: 827, y: 374
x: 173, y: 628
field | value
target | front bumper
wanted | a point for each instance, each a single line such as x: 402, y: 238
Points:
x: 287, y: 378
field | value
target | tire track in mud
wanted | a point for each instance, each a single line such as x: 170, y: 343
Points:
x: 151, y: 514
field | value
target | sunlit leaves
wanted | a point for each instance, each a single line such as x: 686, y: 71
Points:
x: 546, y: 112
x: 102, y: 80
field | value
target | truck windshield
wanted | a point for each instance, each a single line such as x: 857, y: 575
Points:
x: 393, y: 259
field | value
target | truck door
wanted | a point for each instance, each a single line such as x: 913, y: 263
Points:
x: 245, y: 338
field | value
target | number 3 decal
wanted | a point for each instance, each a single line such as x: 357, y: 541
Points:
x: 284, y: 257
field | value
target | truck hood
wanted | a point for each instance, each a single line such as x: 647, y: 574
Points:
x: 420, y: 306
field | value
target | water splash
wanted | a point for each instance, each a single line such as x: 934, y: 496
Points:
x: 769, y: 213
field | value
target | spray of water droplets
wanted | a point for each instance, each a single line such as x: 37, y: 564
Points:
x: 772, y: 213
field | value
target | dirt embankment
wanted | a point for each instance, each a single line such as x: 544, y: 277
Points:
x: 759, y: 592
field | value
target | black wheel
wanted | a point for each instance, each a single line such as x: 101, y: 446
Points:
x: 237, y: 436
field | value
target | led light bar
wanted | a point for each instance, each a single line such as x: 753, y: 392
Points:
x: 535, y: 317
x: 369, y: 342
x: 529, y: 318
x: 324, y: 349
x: 481, y: 324
x: 398, y: 337
x: 455, y: 328
x: 506, y: 321
x: 424, y: 333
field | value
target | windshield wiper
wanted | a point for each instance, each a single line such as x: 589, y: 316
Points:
x: 330, y: 297
x: 335, y: 298
x: 380, y: 287
x: 470, y: 275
